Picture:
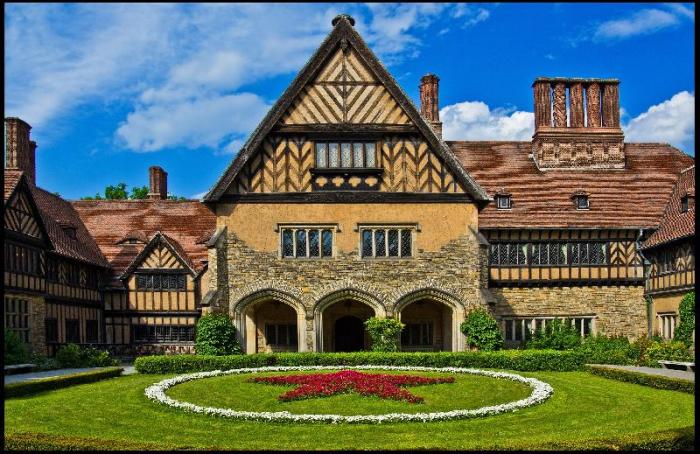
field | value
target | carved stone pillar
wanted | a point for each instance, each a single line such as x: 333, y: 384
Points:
x: 560, y: 105
x: 593, y: 105
x: 543, y: 104
x: 611, y: 109
x: 576, y: 105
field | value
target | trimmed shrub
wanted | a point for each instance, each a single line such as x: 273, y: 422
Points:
x: 655, y: 381
x: 384, y: 333
x: 556, y: 335
x: 522, y: 360
x: 15, y: 351
x: 47, y: 384
x: 667, y: 350
x: 686, y: 324
x: 482, y: 331
x: 603, y: 349
x: 216, y: 335
x: 72, y: 355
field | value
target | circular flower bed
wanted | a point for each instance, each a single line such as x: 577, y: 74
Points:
x: 540, y: 392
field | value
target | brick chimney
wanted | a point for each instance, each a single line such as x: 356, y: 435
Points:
x: 577, y: 124
x: 429, y: 106
x: 158, y: 179
x: 19, y: 150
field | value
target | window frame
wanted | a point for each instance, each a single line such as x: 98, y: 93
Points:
x: 180, y: 275
x: 293, y: 340
x: 296, y: 226
x: 538, y: 321
x: 351, y: 142
x: 508, y: 201
x: 582, y: 197
x: 413, y: 228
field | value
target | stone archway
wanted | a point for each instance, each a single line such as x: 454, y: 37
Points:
x: 432, y: 318
x: 270, y: 320
x: 350, y: 307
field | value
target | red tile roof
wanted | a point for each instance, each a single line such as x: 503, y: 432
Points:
x: 675, y: 223
x: 183, y: 223
x: 57, y: 213
x: 634, y: 197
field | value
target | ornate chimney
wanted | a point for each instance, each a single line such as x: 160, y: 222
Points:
x: 158, y: 179
x: 19, y: 150
x: 584, y: 132
x: 429, y: 107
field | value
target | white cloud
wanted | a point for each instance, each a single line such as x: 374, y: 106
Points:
x: 642, y: 22
x: 473, y: 120
x: 184, y: 71
x: 671, y: 121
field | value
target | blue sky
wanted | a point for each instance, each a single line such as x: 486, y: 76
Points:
x: 111, y: 89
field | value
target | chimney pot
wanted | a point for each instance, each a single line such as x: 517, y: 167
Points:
x: 158, y: 179
x: 20, y: 152
x: 429, y: 101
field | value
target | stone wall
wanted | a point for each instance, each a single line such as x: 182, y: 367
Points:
x: 619, y: 310
x: 452, y: 274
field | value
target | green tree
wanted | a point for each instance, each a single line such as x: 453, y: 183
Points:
x: 556, y: 335
x: 384, y: 333
x: 482, y: 330
x: 138, y: 193
x: 686, y: 325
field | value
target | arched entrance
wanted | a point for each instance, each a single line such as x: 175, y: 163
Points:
x: 431, y: 318
x: 349, y: 334
x: 270, y: 322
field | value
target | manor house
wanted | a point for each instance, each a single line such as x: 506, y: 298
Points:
x: 346, y: 203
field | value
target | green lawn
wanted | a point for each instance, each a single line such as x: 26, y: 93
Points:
x: 234, y: 391
x: 585, y: 412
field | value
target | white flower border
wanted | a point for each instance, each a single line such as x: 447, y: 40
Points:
x: 541, y: 391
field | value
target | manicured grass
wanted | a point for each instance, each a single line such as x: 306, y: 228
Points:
x: 585, y: 412
x: 234, y: 391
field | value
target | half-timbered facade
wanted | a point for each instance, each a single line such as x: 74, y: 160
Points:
x: 346, y: 203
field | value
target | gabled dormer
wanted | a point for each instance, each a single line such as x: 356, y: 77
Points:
x: 22, y: 220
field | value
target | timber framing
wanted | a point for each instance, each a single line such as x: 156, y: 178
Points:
x: 158, y: 239
x: 344, y: 34
x: 346, y: 197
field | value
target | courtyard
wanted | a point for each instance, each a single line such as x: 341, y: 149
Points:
x: 583, y: 412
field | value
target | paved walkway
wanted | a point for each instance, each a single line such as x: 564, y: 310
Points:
x: 128, y: 370
x: 672, y: 373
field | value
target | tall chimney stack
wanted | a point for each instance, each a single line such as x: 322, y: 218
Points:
x: 587, y: 134
x: 20, y: 152
x: 429, y: 106
x: 158, y: 179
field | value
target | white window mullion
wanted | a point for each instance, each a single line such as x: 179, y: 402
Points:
x: 307, y: 243
x: 294, y: 242
x: 386, y: 242
x: 400, y: 233
x: 374, y: 243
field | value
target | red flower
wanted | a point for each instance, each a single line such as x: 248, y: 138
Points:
x: 384, y: 386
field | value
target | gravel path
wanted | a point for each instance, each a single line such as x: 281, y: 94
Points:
x: 656, y: 371
x: 128, y: 370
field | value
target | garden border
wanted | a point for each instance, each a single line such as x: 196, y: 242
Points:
x: 541, y: 391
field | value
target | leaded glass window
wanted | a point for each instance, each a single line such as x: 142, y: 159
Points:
x: 386, y: 242
x: 345, y: 154
x: 521, y: 328
x: 508, y: 254
x: 306, y: 242
x: 161, y: 282
x: 549, y: 253
x: 588, y: 253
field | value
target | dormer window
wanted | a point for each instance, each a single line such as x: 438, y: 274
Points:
x: 70, y: 231
x: 346, y: 155
x: 503, y: 201
x: 581, y: 201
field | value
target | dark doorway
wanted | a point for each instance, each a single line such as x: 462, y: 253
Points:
x: 349, y: 334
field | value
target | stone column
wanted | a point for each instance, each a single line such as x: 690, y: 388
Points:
x: 543, y: 104
x: 611, y: 106
x: 560, y: 105
x: 576, y: 105
x: 593, y: 105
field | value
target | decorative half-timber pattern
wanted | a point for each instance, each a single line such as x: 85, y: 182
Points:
x: 672, y: 268
x: 19, y: 216
x: 161, y: 257
x: 345, y: 91
x: 285, y: 164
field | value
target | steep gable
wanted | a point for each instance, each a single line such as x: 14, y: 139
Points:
x: 21, y: 214
x: 345, y: 90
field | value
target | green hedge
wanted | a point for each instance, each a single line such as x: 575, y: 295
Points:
x: 523, y: 360
x: 668, y: 440
x: 655, y: 381
x: 45, y: 442
x: 63, y: 381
